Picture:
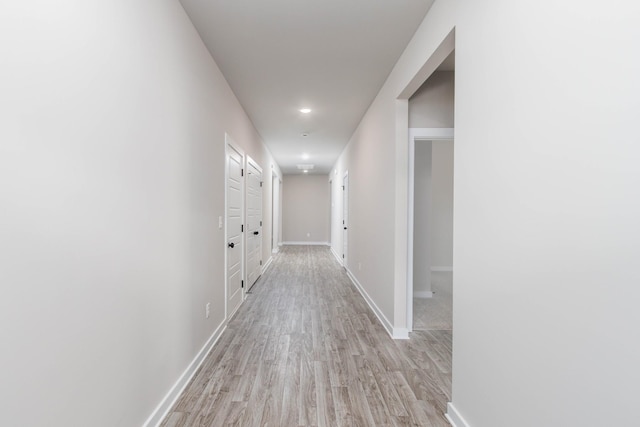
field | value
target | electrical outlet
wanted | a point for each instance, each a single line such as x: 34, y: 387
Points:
x: 220, y: 222
x: 207, y: 309
x: 308, y: 234
x: 359, y: 266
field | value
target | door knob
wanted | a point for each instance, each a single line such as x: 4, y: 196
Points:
x: 256, y: 233
x: 345, y: 228
x: 231, y: 245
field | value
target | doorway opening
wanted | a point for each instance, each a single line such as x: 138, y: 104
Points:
x: 275, y: 217
x: 431, y: 218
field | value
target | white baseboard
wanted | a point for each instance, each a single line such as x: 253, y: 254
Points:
x: 454, y: 417
x: 400, y: 334
x: 395, y: 333
x: 174, y: 393
x: 441, y: 268
x: 306, y: 243
x: 422, y: 294
x: 267, y: 264
x: 338, y: 257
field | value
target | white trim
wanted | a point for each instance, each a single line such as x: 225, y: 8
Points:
x: 400, y: 334
x: 306, y: 243
x: 442, y: 269
x: 454, y: 417
x: 395, y: 333
x: 417, y: 134
x: 266, y: 265
x: 276, y: 250
x: 174, y: 393
x: 244, y: 297
x: 423, y: 294
x: 400, y: 218
x: 335, y: 254
x: 431, y: 134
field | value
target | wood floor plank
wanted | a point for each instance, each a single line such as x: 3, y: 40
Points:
x: 375, y: 399
x: 305, y: 350
x: 325, y: 408
x: 176, y: 419
x: 343, y: 406
x: 290, y: 394
x: 307, y: 401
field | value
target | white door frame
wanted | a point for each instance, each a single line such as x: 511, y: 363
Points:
x: 417, y: 134
x: 229, y: 143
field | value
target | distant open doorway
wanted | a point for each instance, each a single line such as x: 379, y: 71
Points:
x: 433, y: 235
x: 275, y: 215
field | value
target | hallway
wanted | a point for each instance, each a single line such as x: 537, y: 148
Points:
x: 305, y: 349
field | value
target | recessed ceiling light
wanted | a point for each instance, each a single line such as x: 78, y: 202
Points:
x: 305, y: 156
x: 305, y: 110
x: 305, y: 171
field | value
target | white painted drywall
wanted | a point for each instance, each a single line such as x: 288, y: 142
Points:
x: 442, y: 204
x: 305, y: 208
x: 432, y: 105
x: 111, y: 185
x: 422, y: 218
x: 546, y: 230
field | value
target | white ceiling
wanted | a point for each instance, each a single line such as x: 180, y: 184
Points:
x: 328, y: 55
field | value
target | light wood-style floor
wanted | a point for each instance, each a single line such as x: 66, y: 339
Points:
x: 306, y: 350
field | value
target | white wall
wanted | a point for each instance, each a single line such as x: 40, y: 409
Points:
x: 305, y: 209
x: 111, y: 183
x: 432, y: 105
x: 371, y: 210
x: 442, y: 204
x: 422, y: 218
x: 546, y: 206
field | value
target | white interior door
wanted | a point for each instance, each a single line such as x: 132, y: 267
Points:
x: 275, y: 217
x: 254, y: 222
x: 345, y: 220
x: 234, y: 229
